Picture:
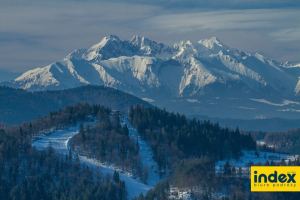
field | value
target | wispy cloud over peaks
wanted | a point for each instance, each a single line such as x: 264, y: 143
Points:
x: 276, y: 23
x: 38, y: 32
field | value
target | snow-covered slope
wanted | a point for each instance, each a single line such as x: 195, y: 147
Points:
x: 145, y: 153
x: 59, y: 141
x: 186, y: 70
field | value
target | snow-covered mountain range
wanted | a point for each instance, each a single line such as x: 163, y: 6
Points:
x: 206, y: 78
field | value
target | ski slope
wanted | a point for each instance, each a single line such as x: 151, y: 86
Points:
x: 134, y: 187
x: 60, y: 139
x: 146, y: 154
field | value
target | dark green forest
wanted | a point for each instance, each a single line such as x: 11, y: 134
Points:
x: 29, y: 174
x: 187, y: 150
x: 288, y: 141
x: 173, y: 137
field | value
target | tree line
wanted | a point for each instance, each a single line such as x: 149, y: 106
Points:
x: 173, y: 137
x: 288, y: 141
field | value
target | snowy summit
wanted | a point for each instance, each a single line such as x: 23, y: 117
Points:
x: 159, y: 72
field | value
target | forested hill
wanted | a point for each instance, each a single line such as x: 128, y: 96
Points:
x: 29, y: 174
x: 174, y: 138
x: 17, y: 105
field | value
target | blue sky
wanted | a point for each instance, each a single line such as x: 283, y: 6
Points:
x: 36, y: 33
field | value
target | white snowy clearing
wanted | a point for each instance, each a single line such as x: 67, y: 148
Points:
x: 60, y: 139
x: 250, y: 157
x: 146, y: 154
x: 284, y: 102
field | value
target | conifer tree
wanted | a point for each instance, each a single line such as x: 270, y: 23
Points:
x: 70, y: 154
x: 125, y: 130
x: 82, y: 132
x: 227, y: 168
x: 116, y: 177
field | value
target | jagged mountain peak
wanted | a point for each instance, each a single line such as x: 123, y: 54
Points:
x: 184, y: 49
x: 113, y: 46
x: 136, y: 40
x: 104, y: 41
x: 212, y: 43
x: 141, y: 41
x: 184, y: 44
x: 94, y: 51
x: 158, y: 72
x: 202, y: 48
x: 145, y: 46
x: 77, y: 54
x: 141, y: 65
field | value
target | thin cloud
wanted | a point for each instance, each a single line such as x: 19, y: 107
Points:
x: 37, y: 33
x: 291, y: 34
x: 275, y: 23
x: 216, y: 4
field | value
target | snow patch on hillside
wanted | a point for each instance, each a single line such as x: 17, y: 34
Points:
x: 241, y: 107
x: 288, y: 110
x: 284, y: 103
x: 249, y: 157
x: 193, y: 101
x: 148, y: 100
